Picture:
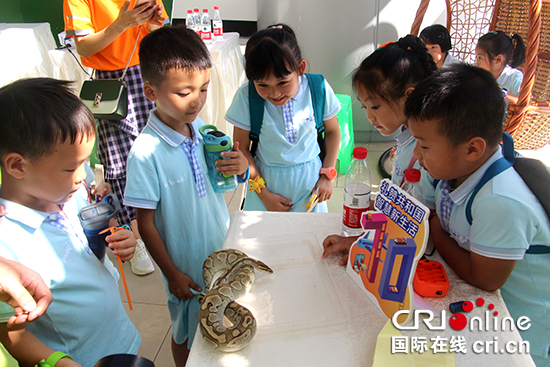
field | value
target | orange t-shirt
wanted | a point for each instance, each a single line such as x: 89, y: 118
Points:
x: 84, y: 17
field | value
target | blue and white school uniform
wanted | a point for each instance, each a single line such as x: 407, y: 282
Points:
x: 401, y: 160
x: 449, y: 60
x: 167, y: 173
x: 86, y: 300
x: 510, y: 79
x: 290, y: 166
x: 507, y: 219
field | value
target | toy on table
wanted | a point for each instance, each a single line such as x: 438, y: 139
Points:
x: 430, y: 279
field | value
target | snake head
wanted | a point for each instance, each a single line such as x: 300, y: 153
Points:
x: 261, y: 266
x: 201, y: 298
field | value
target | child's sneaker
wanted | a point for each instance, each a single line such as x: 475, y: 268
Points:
x: 141, y: 262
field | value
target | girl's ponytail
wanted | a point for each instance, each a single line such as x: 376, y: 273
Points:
x: 518, y: 56
x: 415, y: 44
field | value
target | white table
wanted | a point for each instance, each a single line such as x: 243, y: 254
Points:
x: 24, y: 48
x: 226, y: 76
x: 339, y: 325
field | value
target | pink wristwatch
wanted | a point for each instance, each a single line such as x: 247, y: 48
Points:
x: 330, y: 172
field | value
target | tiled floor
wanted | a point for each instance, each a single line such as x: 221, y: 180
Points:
x: 150, y: 314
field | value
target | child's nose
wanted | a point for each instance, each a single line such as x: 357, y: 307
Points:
x: 80, y: 173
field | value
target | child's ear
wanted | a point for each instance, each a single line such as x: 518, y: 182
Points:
x: 15, y: 165
x: 408, y: 91
x: 499, y: 60
x: 149, y: 92
x: 476, y: 147
x: 302, y: 67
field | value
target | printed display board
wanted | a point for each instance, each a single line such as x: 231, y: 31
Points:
x: 383, y: 260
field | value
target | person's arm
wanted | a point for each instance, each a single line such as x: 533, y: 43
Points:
x: 89, y: 45
x: 179, y: 283
x: 332, y: 146
x: 484, y: 272
x: 24, y: 290
x: 272, y: 201
x: 340, y: 245
x: 27, y: 349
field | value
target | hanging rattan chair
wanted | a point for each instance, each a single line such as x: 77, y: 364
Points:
x: 528, y: 121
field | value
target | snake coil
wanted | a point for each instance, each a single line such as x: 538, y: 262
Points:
x: 237, y: 275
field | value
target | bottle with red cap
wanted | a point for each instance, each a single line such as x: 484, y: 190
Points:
x: 206, y: 24
x: 357, y: 190
x: 217, y: 24
x: 412, y: 185
x: 197, y: 18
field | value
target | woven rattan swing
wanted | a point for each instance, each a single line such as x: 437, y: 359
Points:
x: 529, y: 120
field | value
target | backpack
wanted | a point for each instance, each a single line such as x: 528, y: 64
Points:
x: 532, y: 171
x: 256, y: 107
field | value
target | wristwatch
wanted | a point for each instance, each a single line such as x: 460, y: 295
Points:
x: 330, y: 172
x: 53, y: 359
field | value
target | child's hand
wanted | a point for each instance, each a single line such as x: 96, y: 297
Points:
x: 123, y: 244
x: 325, y: 188
x: 236, y: 165
x: 180, y: 286
x: 274, y: 202
x: 338, y: 244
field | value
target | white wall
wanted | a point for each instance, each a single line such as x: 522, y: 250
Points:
x: 229, y: 9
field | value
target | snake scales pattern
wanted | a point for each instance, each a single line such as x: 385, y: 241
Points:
x: 237, y: 275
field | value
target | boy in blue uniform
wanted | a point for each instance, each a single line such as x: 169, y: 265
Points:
x: 46, y: 134
x: 456, y: 119
x: 180, y: 217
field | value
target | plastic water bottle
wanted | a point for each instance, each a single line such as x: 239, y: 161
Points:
x: 217, y: 24
x: 197, y: 18
x: 216, y: 142
x: 94, y: 219
x: 190, y: 20
x: 357, y: 189
x: 206, y: 30
x: 412, y: 184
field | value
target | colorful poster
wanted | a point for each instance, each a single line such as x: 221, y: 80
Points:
x: 383, y: 260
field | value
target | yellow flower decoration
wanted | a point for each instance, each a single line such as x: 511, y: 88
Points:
x: 257, y: 184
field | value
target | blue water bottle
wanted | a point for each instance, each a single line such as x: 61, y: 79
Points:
x: 94, y: 219
x: 216, y: 142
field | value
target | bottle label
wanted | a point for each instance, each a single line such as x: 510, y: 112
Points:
x: 206, y: 34
x: 352, y: 216
x: 218, y: 27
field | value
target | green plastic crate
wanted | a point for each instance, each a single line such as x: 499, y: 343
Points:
x: 347, y: 139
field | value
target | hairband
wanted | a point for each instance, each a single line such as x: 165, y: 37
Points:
x: 384, y: 45
x: 280, y: 26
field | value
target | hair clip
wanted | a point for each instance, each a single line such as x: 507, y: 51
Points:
x: 280, y: 26
x: 384, y: 45
x: 494, y: 32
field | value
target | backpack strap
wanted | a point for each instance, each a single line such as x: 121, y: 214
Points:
x: 318, y: 98
x: 525, y: 168
x: 256, y: 108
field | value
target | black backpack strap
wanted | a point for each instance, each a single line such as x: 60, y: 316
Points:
x: 318, y: 99
x: 256, y: 108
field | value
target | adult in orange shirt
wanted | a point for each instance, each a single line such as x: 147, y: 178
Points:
x: 105, y: 32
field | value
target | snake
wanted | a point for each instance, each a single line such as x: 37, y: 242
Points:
x: 237, y: 275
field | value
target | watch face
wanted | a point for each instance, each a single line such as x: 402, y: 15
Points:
x: 330, y: 172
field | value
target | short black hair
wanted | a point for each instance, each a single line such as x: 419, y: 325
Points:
x: 393, y: 68
x: 272, y: 50
x: 170, y: 48
x: 38, y: 113
x: 464, y: 100
x: 436, y: 34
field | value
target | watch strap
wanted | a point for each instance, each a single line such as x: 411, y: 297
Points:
x: 53, y: 359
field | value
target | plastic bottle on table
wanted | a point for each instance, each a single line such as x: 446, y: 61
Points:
x: 206, y: 27
x: 197, y: 18
x: 217, y: 24
x: 412, y: 184
x: 357, y: 189
x: 190, y: 20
